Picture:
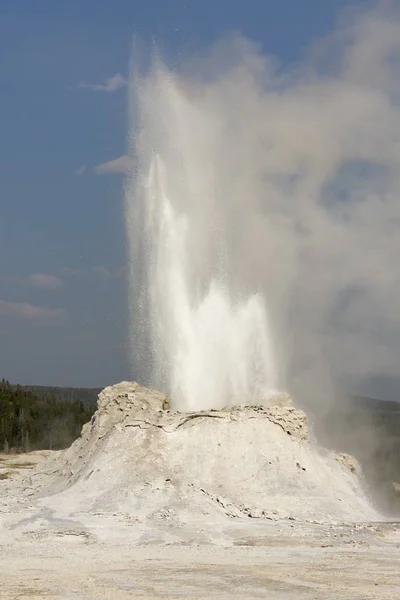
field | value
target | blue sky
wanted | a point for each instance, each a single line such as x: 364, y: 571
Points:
x: 63, y: 317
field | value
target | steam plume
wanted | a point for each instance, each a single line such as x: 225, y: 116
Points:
x: 284, y: 184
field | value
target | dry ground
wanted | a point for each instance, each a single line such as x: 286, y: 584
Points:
x: 41, y: 558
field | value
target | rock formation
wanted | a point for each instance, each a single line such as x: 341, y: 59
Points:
x: 138, y: 456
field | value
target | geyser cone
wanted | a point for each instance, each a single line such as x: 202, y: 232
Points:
x: 197, y: 332
x: 140, y: 458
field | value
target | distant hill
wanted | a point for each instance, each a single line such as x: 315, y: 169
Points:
x: 88, y: 396
x: 370, y: 430
x: 376, y: 405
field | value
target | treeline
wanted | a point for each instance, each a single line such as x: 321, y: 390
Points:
x: 88, y: 396
x: 32, y: 421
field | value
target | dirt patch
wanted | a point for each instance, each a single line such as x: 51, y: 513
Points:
x: 20, y: 465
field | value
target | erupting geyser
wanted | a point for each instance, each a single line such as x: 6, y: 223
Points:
x: 198, y: 332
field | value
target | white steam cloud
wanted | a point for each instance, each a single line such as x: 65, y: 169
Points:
x: 292, y: 180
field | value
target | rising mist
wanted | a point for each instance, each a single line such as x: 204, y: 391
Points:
x: 263, y: 217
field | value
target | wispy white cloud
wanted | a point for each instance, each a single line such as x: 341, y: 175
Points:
x: 80, y: 170
x: 122, y: 164
x: 110, y: 84
x: 108, y: 273
x: 45, y: 281
x: 102, y: 271
x: 69, y: 272
x: 98, y: 271
x: 38, y: 315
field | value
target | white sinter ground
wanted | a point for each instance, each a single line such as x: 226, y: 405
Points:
x: 231, y: 503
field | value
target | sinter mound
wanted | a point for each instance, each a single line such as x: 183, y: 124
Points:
x: 139, y: 457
